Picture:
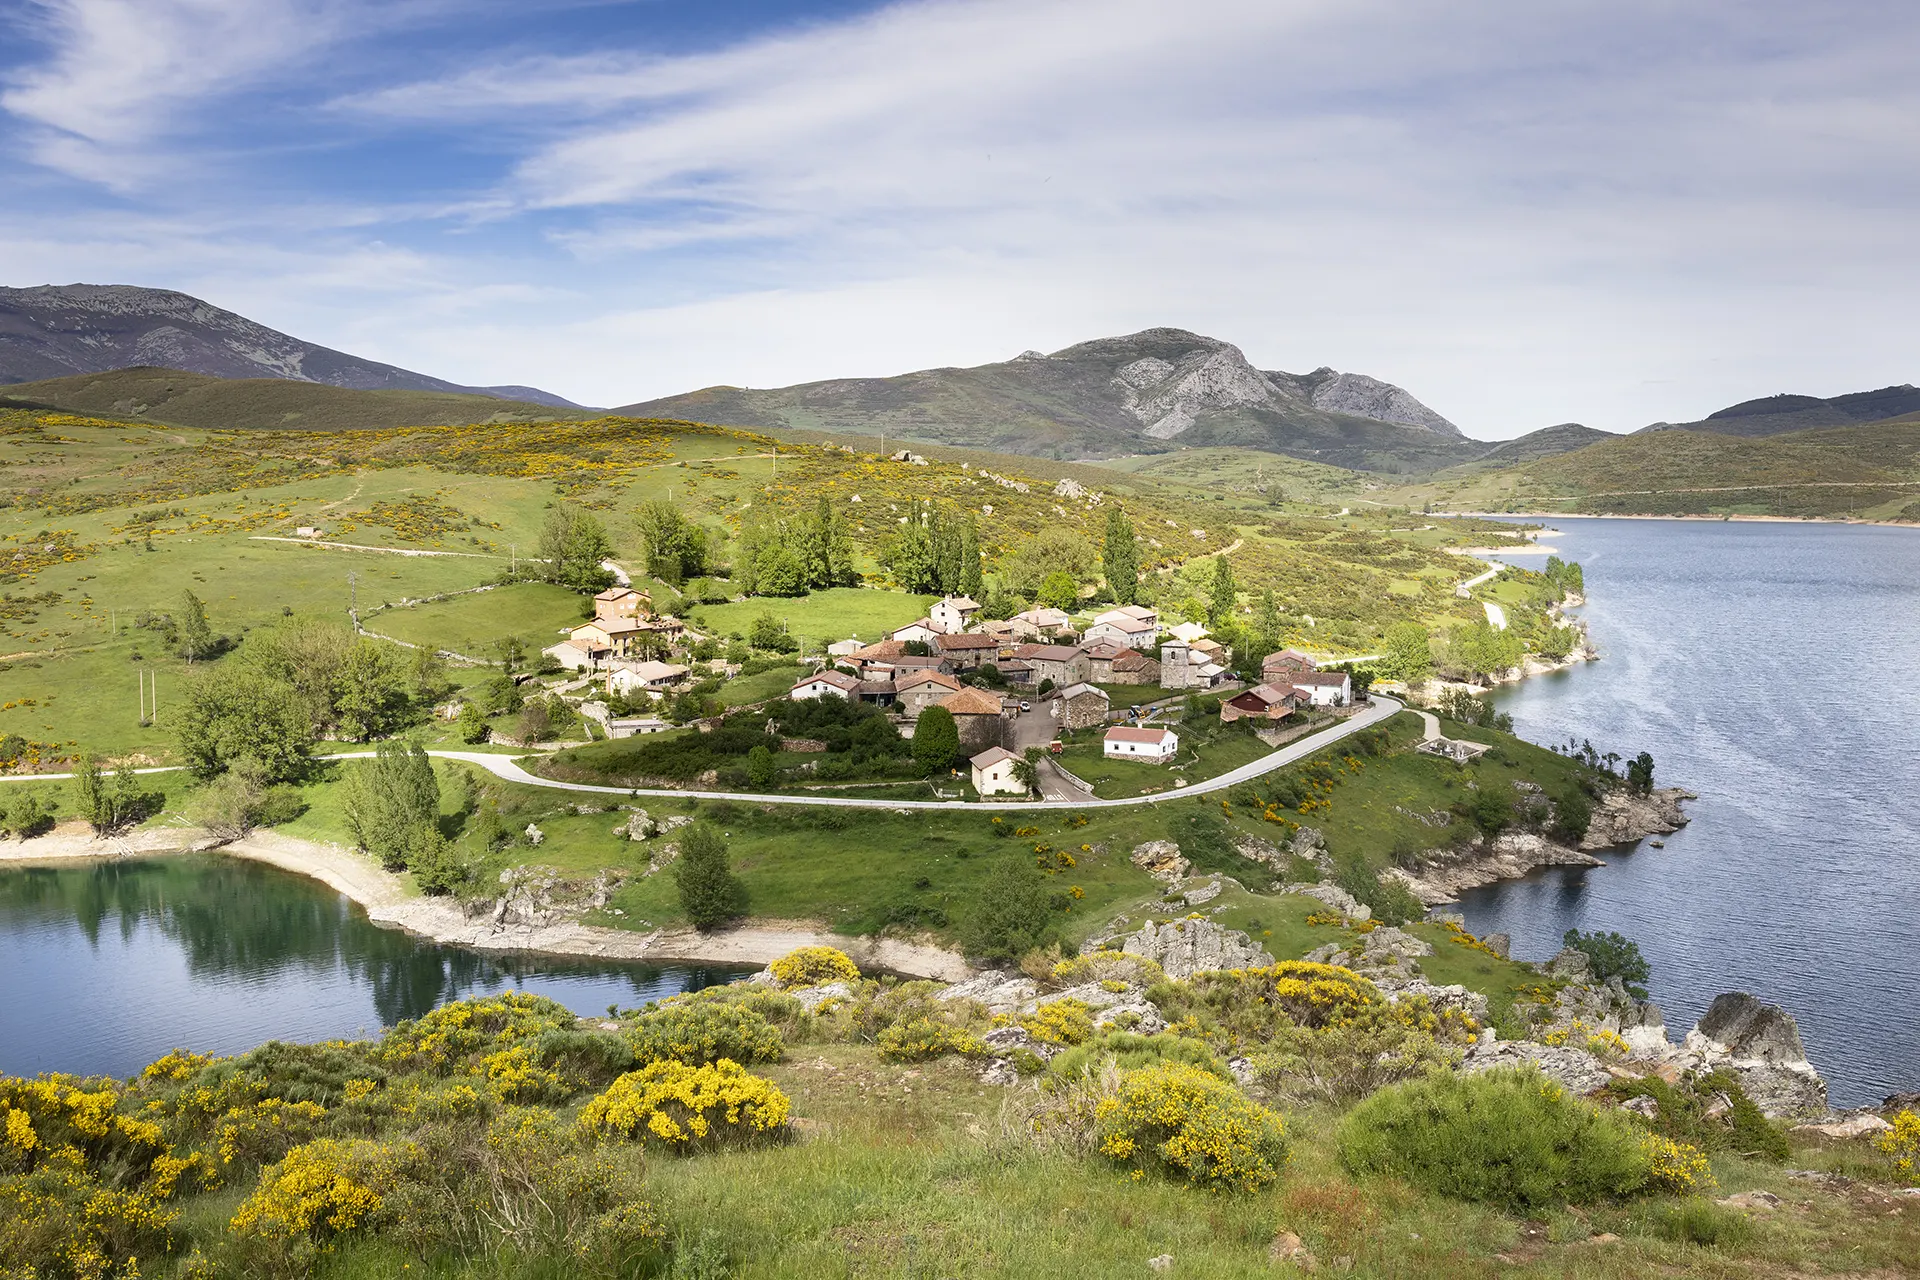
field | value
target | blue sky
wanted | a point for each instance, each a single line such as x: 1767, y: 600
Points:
x: 1524, y: 212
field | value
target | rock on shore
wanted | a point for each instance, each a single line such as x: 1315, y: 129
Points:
x: 1512, y: 855
x: 1622, y: 817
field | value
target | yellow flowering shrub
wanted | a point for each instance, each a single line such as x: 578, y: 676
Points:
x: 513, y: 1074
x: 453, y: 1033
x: 1316, y: 995
x: 1061, y: 1022
x: 923, y: 1039
x: 176, y: 1066
x: 1598, y: 1041
x: 1678, y: 1167
x: 812, y: 966
x: 698, y: 1033
x: 688, y: 1108
x: 267, y: 1130
x: 1902, y: 1142
x: 1109, y: 966
x: 317, y: 1191
x: 1179, y: 1119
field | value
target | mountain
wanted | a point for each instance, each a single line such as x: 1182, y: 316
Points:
x: 1777, y: 415
x: 56, y: 330
x: 1147, y: 392
x: 224, y: 404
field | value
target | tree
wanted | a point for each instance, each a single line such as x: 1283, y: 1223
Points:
x: 674, y: 547
x: 1612, y: 955
x: 1120, y: 557
x: 1264, y: 635
x: 1640, y: 774
x: 1045, y: 552
x: 1409, y: 652
x: 710, y: 893
x: 970, y: 583
x: 1010, y: 915
x: 385, y: 800
x: 826, y: 549
x: 762, y: 768
x: 307, y: 654
x: 936, y: 740
x: 370, y: 698
x: 573, y: 542
x: 1058, y: 590
x: 196, y: 634
x: 239, y: 717
x: 473, y: 723
x: 90, y: 798
x: 426, y: 675
x: 1225, y: 594
x: 511, y: 652
x: 770, y: 633
x: 1026, y: 770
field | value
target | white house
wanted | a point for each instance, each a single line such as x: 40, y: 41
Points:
x: 836, y: 684
x: 1188, y: 632
x: 627, y: 679
x: 1324, y: 688
x: 1156, y: 746
x: 845, y: 648
x: 915, y: 632
x: 1039, y: 623
x: 993, y: 773
x: 1122, y: 626
x: 952, y: 615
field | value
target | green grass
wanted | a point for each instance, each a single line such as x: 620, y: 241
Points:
x: 537, y: 614
x: 771, y: 683
x: 837, y: 614
x: 1207, y: 750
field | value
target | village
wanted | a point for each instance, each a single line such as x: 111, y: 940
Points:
x: 1030, y: 697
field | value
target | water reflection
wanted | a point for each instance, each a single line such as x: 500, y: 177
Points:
x: 108, y: 964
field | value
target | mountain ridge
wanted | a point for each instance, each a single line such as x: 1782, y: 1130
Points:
x: 56, y: 331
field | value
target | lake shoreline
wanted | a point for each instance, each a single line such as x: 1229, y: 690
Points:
x: 1620, y: 515
x: 388, y: 901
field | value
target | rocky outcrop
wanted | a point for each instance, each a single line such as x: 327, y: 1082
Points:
x: 1759, y: 1043
x: 1186, y: 947
x: 1511, y: 856
x: 1622, y: 817
x: 1577, y: 1069
x: 1381, y: 948
x: 1161, y: 859
x: 1334, y: 896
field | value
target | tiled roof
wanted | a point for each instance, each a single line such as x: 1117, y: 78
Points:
x: 971, y: 702
x: 1121, y: 733
x: 991, y: 757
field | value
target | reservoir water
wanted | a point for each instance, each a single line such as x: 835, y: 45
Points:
x: 104, y: 966
x: 1775, y: 670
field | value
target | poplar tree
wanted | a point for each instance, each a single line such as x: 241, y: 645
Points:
x: 1225, y: 596
x: 710, y: 893
x: 1120, y: 558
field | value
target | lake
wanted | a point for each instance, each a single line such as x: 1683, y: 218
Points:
x: 106, y: 965
x: 1774, y: 669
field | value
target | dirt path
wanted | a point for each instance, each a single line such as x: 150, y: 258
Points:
x: 357, y: 546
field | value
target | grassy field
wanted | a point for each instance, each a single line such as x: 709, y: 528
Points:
x: 838, y: 614
x: 535, y: 613
x: 1207, y: 750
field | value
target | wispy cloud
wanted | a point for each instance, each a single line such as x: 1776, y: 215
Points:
x: 1524, y: 212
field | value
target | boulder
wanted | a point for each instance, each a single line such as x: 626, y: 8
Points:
x: 1571, y: 964
x: 1186, y: 947
x: 1452, y: 996
x: 1336, y: 897
x: 1760, y: 1043
x: 1000, y: 992
x: 1205, y: 893
x: 1859, y: 1126
x: 1161, y: 859
x: 1138, y: 1016
x: 1575, y: 1068
x: 1500, y: 944
x: 639, y: 826
x: 1001, y: 1072
x: 1622, y: 817
x: 812, y: 998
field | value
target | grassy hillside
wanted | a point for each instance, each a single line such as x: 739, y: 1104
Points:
x: 1865, y: 472
x: 222, y: 404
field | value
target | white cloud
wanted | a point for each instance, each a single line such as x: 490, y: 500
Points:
x: 1524, y: 213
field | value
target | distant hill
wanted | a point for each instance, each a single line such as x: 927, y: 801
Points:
x: 1869, y: 471
x: 57, y: 330
x: 1777, y: 415
x: 198, y: 400
x: 1147, y: 392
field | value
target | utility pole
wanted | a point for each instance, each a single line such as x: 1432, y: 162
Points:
x: 353, y: 593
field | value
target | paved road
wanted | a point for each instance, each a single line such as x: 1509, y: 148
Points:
x: 509, y: 770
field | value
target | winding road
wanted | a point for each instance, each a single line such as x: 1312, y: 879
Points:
x: 508, y: 769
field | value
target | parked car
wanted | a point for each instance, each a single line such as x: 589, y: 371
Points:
x: 1025, y: 705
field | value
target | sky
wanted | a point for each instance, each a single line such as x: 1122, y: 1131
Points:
x: 1525, y: 212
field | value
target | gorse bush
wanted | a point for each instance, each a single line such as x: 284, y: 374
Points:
x: 1129, y: 1051
x: 1374, y: 1046
x: 1185, y: 1121
x: 1109, y: 966
x: 1902, y: 1142
x: 923, y: 1039
x: 688, y: 1108
x: 1062, y: 1022
x: 1511, y: 1138
x: 812, y: 966
x: 701, y: 1033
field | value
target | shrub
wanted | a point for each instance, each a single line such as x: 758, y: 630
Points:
x: 688, y: 1108
x: 584, y: 1057
x: 1612, y: 955
x: 1677, y: 1167
x: 1183, y: 1120
x: 1375, y: 1046
x: 697, y: 1034
x: 1701, y: 1222
x: 923, y: 1039
x: 267, y: 1130
x: 812, y: 966
x: 1316, y: 995
x: 1388, y: 897
x: 318, y: 1191
x: 710, y: 893
x: 1681, y: 1114
x: 440, y: 1040
x: 1061, y: 1022
x: 1010, y: 915
x: 1130, y: 1051
x: 1509, y: 1138
x: 1109, y: 966
x: 1902, y: 1142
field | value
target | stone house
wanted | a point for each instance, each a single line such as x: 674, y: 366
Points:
x: 622, y: 602
x: 1081, y: 706
x: 915, y: 691
x: 953, y: 614
x: 959, y: 653
x: 1263, y: 702
x: 1275, y: 668
x: 825, y: 684
x: 628, y: 678
x: 1176, y: 665
x: 1040, y: 624
x: 1056, y: 662
x: 978, y: 715
x: 1122, y: 629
